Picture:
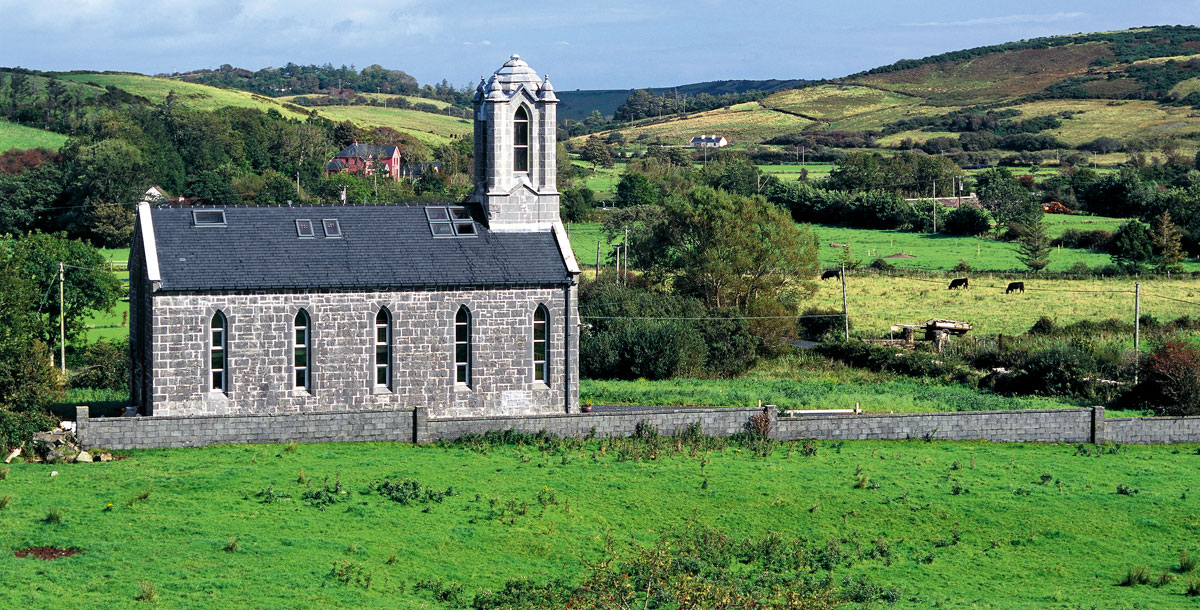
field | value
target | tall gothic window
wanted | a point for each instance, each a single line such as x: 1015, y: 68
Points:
x: 540, y: 342
x: 300, y: 347
x: 218, y: 352
x: 462, y: 346
x: 521, y: 140
x: 383, y: 349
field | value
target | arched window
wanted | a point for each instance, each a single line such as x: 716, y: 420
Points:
x: 383, y: 349
x: 300, y: 348
x: 218, y: 353
x: 521, y: 140
x: 541, y: 342
x: 462, y: 346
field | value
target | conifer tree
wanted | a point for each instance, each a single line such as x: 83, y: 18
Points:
x: 1168, y: 243
x: 1033, y: 246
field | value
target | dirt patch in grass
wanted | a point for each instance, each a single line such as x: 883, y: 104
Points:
x: 46, y: 553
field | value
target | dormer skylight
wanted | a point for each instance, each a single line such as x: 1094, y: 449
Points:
x: 208, y: 218
x: 304, y: 228
x: 450, y: 221
x: 332, y: 228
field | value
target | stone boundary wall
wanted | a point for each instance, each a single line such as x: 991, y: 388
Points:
x: 713, y: 422
x: 413, y: 425
x: 155, y: 432
x: 1058, y: 425
x: 1152, y: 430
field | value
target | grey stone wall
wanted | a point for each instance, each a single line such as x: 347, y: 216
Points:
x: 713, y: 422
x: 415, y: 425
x: 1063, y: 425
x: 1152, y: 430
x: 165, y: 431
x: 260, y: 352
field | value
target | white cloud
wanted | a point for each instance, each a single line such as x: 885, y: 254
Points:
x: 1003, y: 20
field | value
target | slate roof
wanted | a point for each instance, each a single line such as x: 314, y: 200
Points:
x: 362, y: 151
x: 382, y: 246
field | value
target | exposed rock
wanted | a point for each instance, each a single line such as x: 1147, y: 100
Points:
x: 105, y: 457
x: 15, y: 453
x: 56, y: 457
x: 84, y: 457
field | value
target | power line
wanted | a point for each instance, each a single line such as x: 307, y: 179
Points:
x: 829, y: 315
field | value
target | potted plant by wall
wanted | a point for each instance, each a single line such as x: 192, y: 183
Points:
x: 585, y: 405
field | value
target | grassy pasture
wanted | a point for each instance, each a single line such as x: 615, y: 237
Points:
x: 876, y: 303
x: 742, y: 124
x: 833, y: 102
x: 943, y: 252
x: 964, y: 525
x: 193, y: 95
x: 412, y: 99
x: 18, y: 137
x: 430, y: 128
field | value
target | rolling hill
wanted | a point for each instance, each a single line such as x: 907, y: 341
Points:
x: 428, y: 127
x: 1140, y: 83
x: 578, y: 104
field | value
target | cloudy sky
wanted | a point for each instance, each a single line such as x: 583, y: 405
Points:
x: 587, y: 45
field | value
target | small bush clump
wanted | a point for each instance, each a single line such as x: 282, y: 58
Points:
x: 1137, y: 575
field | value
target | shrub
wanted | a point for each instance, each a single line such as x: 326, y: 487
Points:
x: 881, y: 264
x: 1171, y: 380
x: 1059, y: 370
x: 1126, y: 490
x: 4, y: 500
x: 103, y: 365
x: 1193, y: 587
x: 830, y: 324
x: 968, y: 220
x: 231, y: 546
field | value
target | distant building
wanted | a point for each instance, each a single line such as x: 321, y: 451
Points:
x: 412, y: 171
x: 366, y: 159
x: 708, y: 142
x: 1055, y: 207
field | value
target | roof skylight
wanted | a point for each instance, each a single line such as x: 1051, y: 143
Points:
x: 208, y: 218
x: 332, y: 228
x: 304, y: 228
x: 450, y: 221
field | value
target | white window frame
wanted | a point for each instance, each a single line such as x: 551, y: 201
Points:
x: 540, y: 366
x: 218, y: 344
x: 383, y: 338
x: 462, y: 365
x: 302, y: 322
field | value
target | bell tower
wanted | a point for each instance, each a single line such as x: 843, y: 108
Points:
x: 515, y: 129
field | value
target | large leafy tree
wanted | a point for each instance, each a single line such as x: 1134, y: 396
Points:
x: 28, y: 381
x: 88, y: 286
x: 596, y: 152
x: 1002, y: 195
x: 1131, y: 247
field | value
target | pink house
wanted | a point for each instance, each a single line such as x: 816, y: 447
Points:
x: 366, y: 159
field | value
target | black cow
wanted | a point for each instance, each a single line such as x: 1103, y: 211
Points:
x: 959, y: 282
x: 832, y: 273
x: 1015, y: 287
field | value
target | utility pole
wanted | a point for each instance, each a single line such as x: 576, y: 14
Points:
x: 62, y: 323
x: 626, y: 255
x: 1137, y: 329
x: 845, y: 314
x: 597, y: 261
x: 297, y: 185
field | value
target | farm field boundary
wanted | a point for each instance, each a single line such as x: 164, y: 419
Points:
x: 1086, y: 425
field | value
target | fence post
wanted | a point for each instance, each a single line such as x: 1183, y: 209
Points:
x: 845, y: 313
x: 1137, y: 329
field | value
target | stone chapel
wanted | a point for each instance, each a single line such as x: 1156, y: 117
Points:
x: 468, y: 308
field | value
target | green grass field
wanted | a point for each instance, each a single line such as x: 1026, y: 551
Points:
x: 950, y: 525
x: 19, y: 137
x: 805, y: 381
x: 943, y: 252
x: 193, y: 95
x: 430, y: 128
x: 876, y: 303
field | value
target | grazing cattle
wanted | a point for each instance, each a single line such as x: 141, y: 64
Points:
x: 1015, y: 287
x: 958, y: 282
x: 832, y: 273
